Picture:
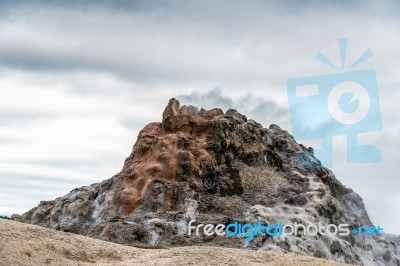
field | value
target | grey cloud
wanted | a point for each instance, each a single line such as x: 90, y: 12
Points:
x: 263, y: 111
x: 8, y: 140
x: 8, y: 117
x: 11, y: 179
x: 134, y: 124
x: 189, y: 6
x: 98, y: 162
x: 174, y: 41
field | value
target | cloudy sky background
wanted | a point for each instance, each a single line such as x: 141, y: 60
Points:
x: 79, y: 80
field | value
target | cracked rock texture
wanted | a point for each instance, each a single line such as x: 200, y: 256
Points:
x: 215, y: 167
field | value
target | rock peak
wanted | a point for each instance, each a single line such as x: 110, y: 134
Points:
x: 216, y: 167
x: 171, y: 110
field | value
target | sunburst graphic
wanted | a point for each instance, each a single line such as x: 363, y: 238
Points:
x: 343, y: 43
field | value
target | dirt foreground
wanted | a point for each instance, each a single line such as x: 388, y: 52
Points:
x: 23, y: 244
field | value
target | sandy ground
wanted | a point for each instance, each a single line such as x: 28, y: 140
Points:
x: 22, y: 244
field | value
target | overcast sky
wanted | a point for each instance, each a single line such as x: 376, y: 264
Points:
x: 78, y: 80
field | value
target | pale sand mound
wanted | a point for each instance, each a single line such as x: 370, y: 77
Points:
x: 23, y: 244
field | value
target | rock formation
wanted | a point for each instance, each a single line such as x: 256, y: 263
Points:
x: 217, y: 168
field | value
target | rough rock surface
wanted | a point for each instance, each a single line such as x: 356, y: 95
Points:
x: 217, y: 167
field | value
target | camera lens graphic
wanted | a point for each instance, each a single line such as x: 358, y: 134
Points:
x: 348, y: 103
